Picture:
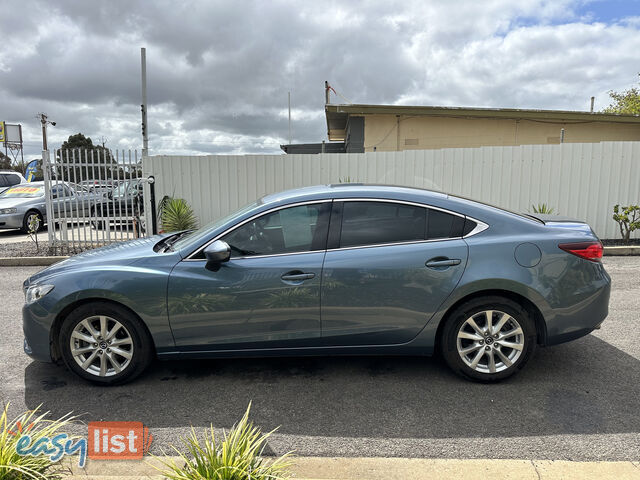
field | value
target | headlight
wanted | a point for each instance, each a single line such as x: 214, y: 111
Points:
x: 8, y: 210
x: 36, y: 292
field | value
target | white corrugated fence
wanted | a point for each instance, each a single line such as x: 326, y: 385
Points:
x: 580, y: 180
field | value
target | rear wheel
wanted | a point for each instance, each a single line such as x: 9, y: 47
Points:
x: 488, y: 339
x: 104, y: 343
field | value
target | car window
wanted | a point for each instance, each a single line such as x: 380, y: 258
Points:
x: 3, y: 180
x: 60, y: 191
x: 444, y: 225
x: 372, y: 223
x: 12, y: 179
x: 294, y: 229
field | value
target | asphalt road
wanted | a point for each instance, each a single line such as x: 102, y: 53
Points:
x: 577, y: 401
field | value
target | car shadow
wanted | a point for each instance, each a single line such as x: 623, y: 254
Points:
x: 587, y: 386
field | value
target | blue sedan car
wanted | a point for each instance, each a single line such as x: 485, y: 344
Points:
x: 331, y: 270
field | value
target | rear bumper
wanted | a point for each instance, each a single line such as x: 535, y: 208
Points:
x: 582, y: 318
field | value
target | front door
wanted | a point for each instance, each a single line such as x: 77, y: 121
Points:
x: 393, y: 267
x: 266, y: 296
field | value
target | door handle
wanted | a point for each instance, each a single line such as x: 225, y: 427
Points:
x: 297, y: 276
x: 447, y: 262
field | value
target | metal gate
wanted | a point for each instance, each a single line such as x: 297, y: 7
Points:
x: 93, y: 197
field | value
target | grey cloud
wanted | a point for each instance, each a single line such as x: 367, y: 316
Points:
x: 220, y: 71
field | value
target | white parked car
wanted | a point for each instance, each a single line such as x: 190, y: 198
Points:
x: 9, y: 178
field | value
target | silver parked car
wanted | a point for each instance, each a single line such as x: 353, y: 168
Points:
x: 25, y: 203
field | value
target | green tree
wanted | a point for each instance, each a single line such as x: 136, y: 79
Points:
x: 627, y: 101
x: 78, y: 155
x: 5, y: 162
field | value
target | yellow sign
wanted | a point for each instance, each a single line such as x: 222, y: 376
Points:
x: 2, y: 132
x: 24, y: 190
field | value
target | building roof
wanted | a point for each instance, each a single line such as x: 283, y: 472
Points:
x: 338, y: 114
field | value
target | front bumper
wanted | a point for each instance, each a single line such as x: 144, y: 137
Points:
x: 37, y: 337
x: 11, y: 220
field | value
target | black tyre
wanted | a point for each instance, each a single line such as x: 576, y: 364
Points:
x: 96, y: 224
x: 35, y: 216
x: 488, y: 339
x: 105, y: 343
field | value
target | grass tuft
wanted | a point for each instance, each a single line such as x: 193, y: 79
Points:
x: 24, y: 467
x: 237, y: 457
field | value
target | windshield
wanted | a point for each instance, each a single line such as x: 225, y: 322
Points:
x: 21, y: 191
x: 202, y: 232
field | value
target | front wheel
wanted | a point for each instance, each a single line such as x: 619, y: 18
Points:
x: 488, y: 339
x: 105, y: 343
x: 32, y: 220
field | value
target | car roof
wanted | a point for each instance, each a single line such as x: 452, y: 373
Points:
x: 450, y: 202
x: 350, y: 190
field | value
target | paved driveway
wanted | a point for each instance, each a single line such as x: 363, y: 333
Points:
x: 576, y: 401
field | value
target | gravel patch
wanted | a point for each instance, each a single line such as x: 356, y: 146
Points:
x: 28, y: 249
x: 23, y: 249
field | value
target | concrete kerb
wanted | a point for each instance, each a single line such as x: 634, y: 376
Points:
x: 342, y: 468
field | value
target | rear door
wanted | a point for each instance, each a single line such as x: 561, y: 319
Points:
x: 389, y: 266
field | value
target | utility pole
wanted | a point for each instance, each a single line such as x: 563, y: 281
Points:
x: 593, y: 99
x: 44, y: 121
x: 326, y: 92
x: 143, y: 107
x: 289, y: 118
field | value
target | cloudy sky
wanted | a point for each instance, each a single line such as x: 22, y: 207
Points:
x: 219, y: 72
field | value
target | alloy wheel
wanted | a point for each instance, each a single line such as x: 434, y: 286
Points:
x: 490, y: 341
x: 34, y: 219
x: 101, y: 346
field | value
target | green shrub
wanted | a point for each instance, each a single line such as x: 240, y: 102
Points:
x: 542, y: 208
x: 23, y: 467
x: 176, y: 215
x: 628, y: 219
x: 237, y: 457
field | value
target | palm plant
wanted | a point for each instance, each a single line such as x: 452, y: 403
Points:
x: 237, y: 457
x: 542, y: 208
x: 176, y: 214
x: 14, y: 466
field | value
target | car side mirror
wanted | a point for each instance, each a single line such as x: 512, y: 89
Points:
x: 216, y: 253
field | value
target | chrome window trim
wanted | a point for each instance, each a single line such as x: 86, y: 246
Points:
x: 189, y: 258
x: 480, y: 227
x: 406, y: 202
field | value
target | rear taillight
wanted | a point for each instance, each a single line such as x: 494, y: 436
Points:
x: 588, y: 250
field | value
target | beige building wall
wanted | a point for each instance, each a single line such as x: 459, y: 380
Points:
x: 388, y: 133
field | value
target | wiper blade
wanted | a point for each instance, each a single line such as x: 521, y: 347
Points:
x: 169, y: 241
